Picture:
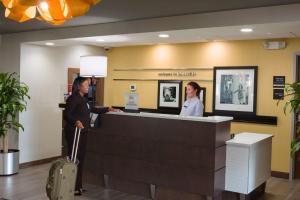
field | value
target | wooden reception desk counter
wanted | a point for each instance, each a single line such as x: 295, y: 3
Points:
x: 159, y: 156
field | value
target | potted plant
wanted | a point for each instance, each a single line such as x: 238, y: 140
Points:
x: 293, y: 92
x: 13, y: 96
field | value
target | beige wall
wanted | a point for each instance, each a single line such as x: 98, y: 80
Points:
x: 207, y: 55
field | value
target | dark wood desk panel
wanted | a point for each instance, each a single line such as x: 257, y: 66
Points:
x: 163, y: 130
x: 180, y: 155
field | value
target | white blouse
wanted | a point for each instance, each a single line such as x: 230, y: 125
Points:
x: 192, y: 107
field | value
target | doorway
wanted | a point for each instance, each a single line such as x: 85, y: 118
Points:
x: 297, y: 120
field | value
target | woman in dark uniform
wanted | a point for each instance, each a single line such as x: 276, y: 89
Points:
x: 77, y: 114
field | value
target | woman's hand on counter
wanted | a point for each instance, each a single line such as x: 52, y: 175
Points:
x: 79, y: 125
x: 114, y: 110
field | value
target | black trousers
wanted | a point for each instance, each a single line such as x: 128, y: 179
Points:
x: 70, y: 132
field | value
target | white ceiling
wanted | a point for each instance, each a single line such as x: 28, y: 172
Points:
x: 260, y: 31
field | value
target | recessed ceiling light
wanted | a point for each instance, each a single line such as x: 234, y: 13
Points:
x: 246, y: 30
x: 100, y: 40
x: 164, y: 35
x: 49, y: 43
x: 219, y: 40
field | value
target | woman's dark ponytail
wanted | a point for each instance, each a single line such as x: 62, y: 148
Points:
x: 195, y: 86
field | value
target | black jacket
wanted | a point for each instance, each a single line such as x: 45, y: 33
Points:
x: 78, y: 109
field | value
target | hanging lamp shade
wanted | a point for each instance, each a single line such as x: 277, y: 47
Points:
x: 20, y: 13
x: 55, y: 12
x: 27, y: 2
x: 93, y: 66
x: 78, y: 7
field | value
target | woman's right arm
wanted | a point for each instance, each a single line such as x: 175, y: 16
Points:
x: 69, y: 111
x: 199, y: 109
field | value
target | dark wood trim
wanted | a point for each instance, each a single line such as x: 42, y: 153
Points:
x: 38, y: 162
x: 255, y: 119
x: 100, y: 91
x: 296, y: 157
x: 277, y: 174
x: 255, y: 194
x: 269, y: 120
x: 71, y: 72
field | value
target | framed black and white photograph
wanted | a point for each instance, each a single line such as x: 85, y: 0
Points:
x: 235, y: 90
x: 169, y: 94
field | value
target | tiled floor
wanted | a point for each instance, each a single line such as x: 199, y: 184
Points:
x: 29, y: 184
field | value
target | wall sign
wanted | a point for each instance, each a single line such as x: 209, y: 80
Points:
x: 278, y: 94
x: 278, y: 87
x: 132, y: 101
x: 177, y: 74
x: 278, y: 81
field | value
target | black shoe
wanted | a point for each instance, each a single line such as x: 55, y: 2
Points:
x: 82, y: 190
x: 77, y: 193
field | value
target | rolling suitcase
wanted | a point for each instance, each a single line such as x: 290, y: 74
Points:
x: 62, y: 175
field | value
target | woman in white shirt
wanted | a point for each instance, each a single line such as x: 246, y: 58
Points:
x: 193, y: 106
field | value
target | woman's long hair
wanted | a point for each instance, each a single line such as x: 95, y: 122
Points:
x: 195, y: 86
x: 77, y: 83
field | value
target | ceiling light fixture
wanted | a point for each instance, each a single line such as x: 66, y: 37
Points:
x: 100, y: 40
x: 55, y: 12
x: 49, y: 43
x: 163, y: 35
x: 246, y: 30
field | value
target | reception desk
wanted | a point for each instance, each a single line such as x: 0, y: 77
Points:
x: 165, y: 157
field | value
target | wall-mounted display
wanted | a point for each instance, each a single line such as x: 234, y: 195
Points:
x: 235, y: 90
x: 169, y: 94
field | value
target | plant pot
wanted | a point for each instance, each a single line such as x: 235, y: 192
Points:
x: 9, y: 162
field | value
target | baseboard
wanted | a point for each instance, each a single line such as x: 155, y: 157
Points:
x: 38, y: 162
x: 277, y: 174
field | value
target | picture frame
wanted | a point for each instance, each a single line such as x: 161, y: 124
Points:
x: 169, y: 94
x: 202, y: 96
x: 235, y: 91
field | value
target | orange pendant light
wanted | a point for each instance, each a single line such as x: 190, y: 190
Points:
x: 78, y: 7
x: 19, y: 12
x: 28, y: 2
x: 55, y: 12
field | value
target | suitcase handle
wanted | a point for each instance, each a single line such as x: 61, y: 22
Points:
x: 75, y: 144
